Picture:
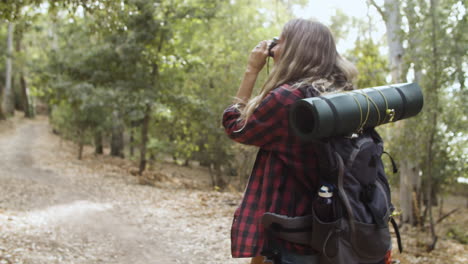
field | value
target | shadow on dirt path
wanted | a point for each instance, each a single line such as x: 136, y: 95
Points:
x: 68, y: 215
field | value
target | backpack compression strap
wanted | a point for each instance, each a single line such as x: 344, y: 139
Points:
x: 397, y: 233
x: 394, y: 166
x: 342, y: 193
x: 293, y: 229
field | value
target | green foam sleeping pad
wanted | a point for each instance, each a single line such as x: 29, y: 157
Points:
x: 345, y: 113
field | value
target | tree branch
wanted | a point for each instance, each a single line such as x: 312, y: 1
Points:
x: 379, y: 9
x: 447, y: 215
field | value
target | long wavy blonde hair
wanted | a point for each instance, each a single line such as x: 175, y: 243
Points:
x: 308, y: 57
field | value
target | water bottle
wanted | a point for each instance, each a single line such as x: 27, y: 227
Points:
x: 323, y: 204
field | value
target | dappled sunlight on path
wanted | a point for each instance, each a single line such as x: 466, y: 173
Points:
x: 56, y: 209
x: 77, y: 211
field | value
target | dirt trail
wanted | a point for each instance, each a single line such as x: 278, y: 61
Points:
x: 56, y: 209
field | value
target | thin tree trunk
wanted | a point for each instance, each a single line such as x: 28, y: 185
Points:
x: 2, y: 115
x: 117, y: 139
x: 80, y: 143
x: 441, y: 207
x: 132, y: 142
x: 220, y: 183
x: 410, y: 185
x: 98, y: 144
x: 417, y: 220
x: 7, y: 104
x: 405, y: 193
x: 409, y: 173
x: 28, y: 110
x: 25, y: 105
x: 215, y: 175
x: 212, y: 175
x: 431, y: 218
x: 433, y: 124
x: 144, y: 139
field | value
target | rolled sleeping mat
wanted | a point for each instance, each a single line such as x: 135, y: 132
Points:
x: 345, y: 113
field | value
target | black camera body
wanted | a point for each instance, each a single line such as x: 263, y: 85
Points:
x: 273, y: 43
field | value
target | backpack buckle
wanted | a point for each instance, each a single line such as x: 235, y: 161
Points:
x: 353, y: 135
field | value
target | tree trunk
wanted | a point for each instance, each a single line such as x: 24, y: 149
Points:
x: 441, y: 207
x: 409, y: 169
x: 80, y: 143
x: 24, y: 92
x: 391, y: 16
x: 409, y: 185
x: 212, y: 175
x: 27, y: 108
x: 7, y: 104
x: 98, y: 145
x: 117, y: 138
x: 394, y: 39
x: 2, y: 115
x: 433, y: 114
x: 144, y: 139
x: 132, y: 142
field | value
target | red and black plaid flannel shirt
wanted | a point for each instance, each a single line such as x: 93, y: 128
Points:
x: 284, y: 176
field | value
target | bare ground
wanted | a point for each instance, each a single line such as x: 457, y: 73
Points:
x: 57, y: 209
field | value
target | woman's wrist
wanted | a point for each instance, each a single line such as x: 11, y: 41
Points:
x: 252, y: 71
x: 247, y: 85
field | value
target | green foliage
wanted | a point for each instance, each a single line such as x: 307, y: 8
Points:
x: 339, y: 25
x: 100, y: 62
x: 3, y: 47
x: 459, y: 234
x: 372, y: 66
x: 365, y: 54
x: 82, y: 109
x: 11, y: 10
x: 182, y: 59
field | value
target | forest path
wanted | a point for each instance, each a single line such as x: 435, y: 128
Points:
x: 56, y: 209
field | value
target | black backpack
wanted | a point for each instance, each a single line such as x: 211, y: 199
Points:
x: 362, y: 205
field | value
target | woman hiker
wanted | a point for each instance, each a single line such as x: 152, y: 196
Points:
x: 306, y: 63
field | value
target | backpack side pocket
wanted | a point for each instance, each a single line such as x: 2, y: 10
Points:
x: 324, y: 238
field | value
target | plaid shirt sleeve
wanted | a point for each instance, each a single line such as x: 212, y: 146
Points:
x: 267, y: 124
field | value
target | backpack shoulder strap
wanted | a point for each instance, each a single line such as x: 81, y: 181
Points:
x: 327, y: 163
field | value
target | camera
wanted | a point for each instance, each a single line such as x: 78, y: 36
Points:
x: 273, y: 43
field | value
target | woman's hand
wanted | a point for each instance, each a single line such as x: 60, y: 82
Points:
x: 257, y: 58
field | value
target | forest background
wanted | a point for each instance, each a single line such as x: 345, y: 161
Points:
x: 150, y: 79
